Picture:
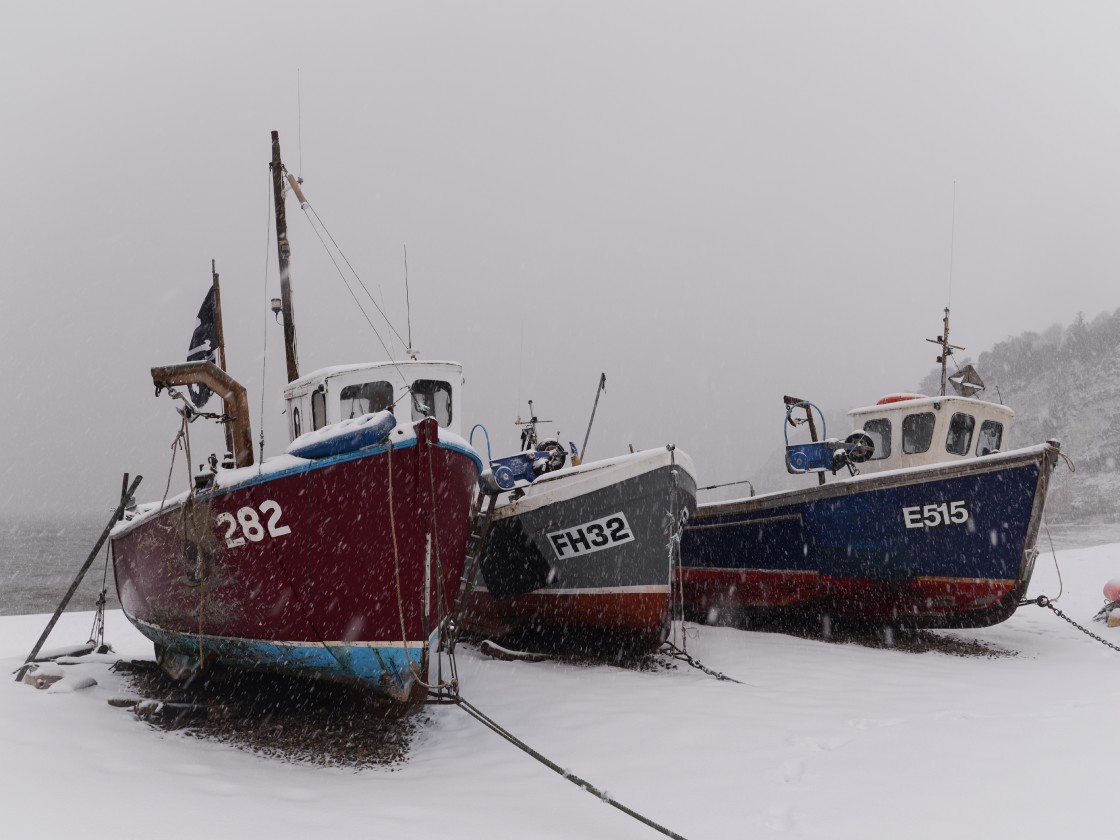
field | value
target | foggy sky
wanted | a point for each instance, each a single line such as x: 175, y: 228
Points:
x: 714, y: 203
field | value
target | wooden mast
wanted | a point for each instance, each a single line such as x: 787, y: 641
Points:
x: 221, y: 342
x: 284, y: 252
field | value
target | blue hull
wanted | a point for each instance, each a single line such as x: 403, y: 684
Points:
x: 940, y: 546
x: 384, y: 667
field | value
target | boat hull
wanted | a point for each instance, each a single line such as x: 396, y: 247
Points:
x: 942, y: 546
x: 338, y: 568
x: 584, y: 554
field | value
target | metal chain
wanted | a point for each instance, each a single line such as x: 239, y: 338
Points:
x: 1043, y: 601
x: 675, y: 652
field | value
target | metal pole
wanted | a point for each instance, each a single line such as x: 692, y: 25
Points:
x: 602, y: 387
x: 117, y: 514
x: 945, y: 353
x: 284, y: 253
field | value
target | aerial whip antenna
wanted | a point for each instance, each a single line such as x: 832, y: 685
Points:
x: 408, y: 306
x: 952, y: 244
x: 299, y: 123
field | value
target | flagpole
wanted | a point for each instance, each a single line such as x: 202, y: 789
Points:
x: 221, y: 343
x: 218, y: 316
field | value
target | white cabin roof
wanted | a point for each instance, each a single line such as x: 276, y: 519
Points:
x: 400, y: 373
x: 913, y: 402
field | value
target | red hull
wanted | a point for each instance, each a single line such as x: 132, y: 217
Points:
x: 634, y: 618
x: 930, y: 598
x: 327, y: 569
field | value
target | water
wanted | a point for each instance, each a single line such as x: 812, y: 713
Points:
x: 1078, y: 535
x: 39, y: 559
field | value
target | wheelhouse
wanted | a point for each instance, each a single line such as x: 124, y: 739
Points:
x: 412, y: 390
x: 912, y: 430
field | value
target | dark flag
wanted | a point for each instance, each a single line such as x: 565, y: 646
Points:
x: 204, y: 345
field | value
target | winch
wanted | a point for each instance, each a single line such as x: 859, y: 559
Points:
x: 830, y: 454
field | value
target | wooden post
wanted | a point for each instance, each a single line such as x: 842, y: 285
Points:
x: 228, y: 429
x: 284, y: 252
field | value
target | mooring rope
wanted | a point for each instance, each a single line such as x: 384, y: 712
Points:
x: 675, y: 652
x: 400, y: 595
x: 396, y: 556
x: 602, y: 795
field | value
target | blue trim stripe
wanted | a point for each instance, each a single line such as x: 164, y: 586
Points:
x: 343, y: 458
x: 380, y: 666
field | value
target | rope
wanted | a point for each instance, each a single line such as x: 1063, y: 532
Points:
x: 350, y: 289
x: 675, y: 652
x: 1068, y: 460
x: 556, y: 768
x: 97, y: 632
x: 175, y: 444
x: 357, y: 277
x: 442, y: 607
x: 674, y: 528
x: 396, y: 557
x: 441, y: 595
x: 397, y: 572
x: 1054, y: 554
x: 188, y: 506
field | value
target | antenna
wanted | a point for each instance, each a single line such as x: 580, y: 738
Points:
x: 946, y: 350
x: 299, y: 123
x: 952, y: 245
x: 408, y: 306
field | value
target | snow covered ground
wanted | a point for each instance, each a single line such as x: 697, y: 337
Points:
x: 825, y: 741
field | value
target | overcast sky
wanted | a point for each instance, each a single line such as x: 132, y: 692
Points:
x: 714, y: 203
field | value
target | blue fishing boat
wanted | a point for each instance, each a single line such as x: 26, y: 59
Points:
x: 925, y: 521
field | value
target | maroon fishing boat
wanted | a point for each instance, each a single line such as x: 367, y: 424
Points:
x: 339, y: 559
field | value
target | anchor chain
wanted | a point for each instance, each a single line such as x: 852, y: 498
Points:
x: 1043, y: 601
x: 675, y: 652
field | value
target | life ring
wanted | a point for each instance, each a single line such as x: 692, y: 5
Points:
x: 893, y: 398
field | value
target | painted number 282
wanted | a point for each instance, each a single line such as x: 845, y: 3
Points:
x: 250, y: 524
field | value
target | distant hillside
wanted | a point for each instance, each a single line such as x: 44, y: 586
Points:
x: 1063, y: 383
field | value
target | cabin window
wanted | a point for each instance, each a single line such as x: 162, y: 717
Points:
x: 318, y: 410
x: 917, y: 432
x: 431, y: 398
x: 990, y: 437
x: 366, y: 398
x: 296, y: 429
x: 960, y: 434
x: 880, y: 432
